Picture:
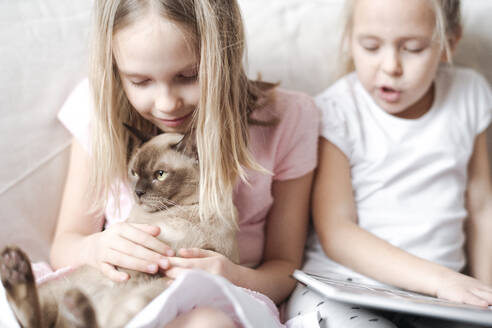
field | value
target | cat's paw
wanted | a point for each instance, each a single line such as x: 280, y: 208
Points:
x: 15, y: 269
x: 77, y: 310
x: 19, y: 283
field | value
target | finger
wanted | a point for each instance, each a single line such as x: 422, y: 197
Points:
x: 195, y: 252
x: 130, y: 248
x: 180, y: 262
x: 147, y: 228
x: 484, y: 294
x: 113, y: 274
x: 472, y: 299
x: 129, y: 262
x: 140, y: 237
x: 175, y: 272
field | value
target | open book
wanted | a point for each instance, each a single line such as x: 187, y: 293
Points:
x: 335, y: 287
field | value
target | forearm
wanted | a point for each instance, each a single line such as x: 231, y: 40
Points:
x: 479, y: 206
x: 272, y: 278
x: 70, y: 249
x: 351, y: 246
x: 479, y: 246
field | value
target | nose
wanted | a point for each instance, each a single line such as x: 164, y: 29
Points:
x: 167, y: 100
x: 392, y: 63
x: 139, y: 193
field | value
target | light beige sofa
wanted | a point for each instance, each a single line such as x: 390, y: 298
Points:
x: 43, y: 55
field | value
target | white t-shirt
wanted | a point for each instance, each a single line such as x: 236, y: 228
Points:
x: 409, y: 177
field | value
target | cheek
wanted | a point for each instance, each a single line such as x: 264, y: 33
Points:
x: 366, y: 68
x: 191, y: 94
x: 139, y: 99
x: 423, y: 70
x: 365, y: 64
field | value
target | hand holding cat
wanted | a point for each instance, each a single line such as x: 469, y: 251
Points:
x: 458, y: 287
x: 206, y: 260
x: 130, y: 246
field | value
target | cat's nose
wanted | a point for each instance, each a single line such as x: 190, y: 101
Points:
x: 139, y: 193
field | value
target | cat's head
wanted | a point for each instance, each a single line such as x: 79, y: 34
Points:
x: 164, y: 172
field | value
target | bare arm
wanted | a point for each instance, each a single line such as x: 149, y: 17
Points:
x: 79, y: 238
x: 286, y: 232
x: 335, y: 219
x: 70, y: 245
x: 479, y: 204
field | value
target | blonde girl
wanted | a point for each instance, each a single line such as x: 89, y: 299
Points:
x: 164, y: 65
x: 403, y: 194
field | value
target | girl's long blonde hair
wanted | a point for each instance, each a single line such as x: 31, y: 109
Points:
x: 448, y: 27
x: 226, y: 101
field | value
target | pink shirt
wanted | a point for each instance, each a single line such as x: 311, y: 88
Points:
x: 287, y: 149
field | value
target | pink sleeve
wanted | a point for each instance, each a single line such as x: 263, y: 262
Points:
x: 298, y: 132
x: 76, y: 113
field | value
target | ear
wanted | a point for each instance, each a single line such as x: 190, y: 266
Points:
x: 137, y: 133
x: 187, y: 145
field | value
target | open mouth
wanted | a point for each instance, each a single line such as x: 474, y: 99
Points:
x: 389, y: 94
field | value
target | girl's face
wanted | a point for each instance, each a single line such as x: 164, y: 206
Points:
x: 395, y: 54
x: 159, y: 71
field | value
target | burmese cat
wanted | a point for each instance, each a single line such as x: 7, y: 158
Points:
x: 164, y: 173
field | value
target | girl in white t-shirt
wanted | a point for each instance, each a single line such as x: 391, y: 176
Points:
x: 403, y: 193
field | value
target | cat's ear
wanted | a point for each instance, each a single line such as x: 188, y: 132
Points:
x: 137, y: 133
x: 187, y: 146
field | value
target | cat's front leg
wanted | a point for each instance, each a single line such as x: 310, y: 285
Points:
x: 18, y: 281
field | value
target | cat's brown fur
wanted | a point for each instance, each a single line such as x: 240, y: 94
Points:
x: 85, y: 297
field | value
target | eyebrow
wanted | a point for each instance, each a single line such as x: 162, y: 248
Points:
x: 129, y: 74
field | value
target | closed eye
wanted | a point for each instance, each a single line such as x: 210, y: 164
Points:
x: 189, y: 74
x: 141, y: 83
x: 370, y: 48
x: 187, y: 78
x: 413, y: 50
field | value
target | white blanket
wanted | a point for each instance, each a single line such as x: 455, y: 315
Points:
x: 195, y: 288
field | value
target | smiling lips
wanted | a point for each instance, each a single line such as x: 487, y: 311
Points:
x: 389, y: 95
x: 176, y: 122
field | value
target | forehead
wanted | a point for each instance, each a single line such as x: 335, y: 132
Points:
x: 413, y: 17
x: 152, y: 44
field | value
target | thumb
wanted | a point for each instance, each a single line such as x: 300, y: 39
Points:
x: 195, y: 252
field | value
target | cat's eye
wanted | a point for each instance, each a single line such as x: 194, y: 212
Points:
x: 134, y: 173
x: 160, y: 175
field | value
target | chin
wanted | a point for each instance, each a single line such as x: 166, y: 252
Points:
x: 178, y: 129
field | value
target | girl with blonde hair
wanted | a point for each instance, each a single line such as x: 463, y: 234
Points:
x: 176, y: 66
x: 403, y: 179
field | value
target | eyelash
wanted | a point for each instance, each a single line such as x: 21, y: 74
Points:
x: 139, y: 84
x: 371, y: 49
x: 182, y: 78
x: 413, y: 51
x: 188, y: 78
